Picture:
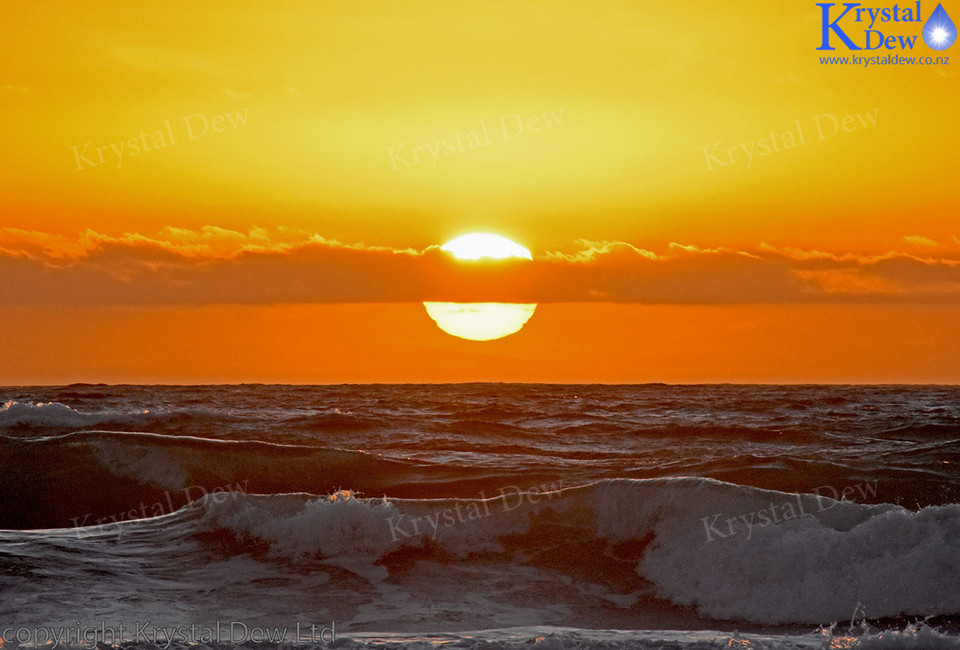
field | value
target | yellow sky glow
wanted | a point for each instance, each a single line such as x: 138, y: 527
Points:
x: 276, y: 158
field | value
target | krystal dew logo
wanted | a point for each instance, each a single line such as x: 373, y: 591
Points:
x: 843, y: 23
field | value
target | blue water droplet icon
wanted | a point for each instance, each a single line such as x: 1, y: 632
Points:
x: 939, y: 32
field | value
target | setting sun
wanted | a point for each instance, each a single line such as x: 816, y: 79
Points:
x: 481, y: 245
x: 482, y: 321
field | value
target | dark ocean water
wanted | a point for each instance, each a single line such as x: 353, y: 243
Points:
x: 481, y: 515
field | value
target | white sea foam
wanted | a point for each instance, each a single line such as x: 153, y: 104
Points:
x: 834, y: 560
x: 51, y: 414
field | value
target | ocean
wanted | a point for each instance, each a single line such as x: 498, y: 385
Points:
x: 480, y: 516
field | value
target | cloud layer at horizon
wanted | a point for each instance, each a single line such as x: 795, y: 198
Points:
x: 212, y: 265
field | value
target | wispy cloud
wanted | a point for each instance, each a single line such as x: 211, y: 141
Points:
x: 592, y: 249
x: 920, y: 240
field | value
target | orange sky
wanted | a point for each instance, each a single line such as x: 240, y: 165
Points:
x: 212, y: 191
